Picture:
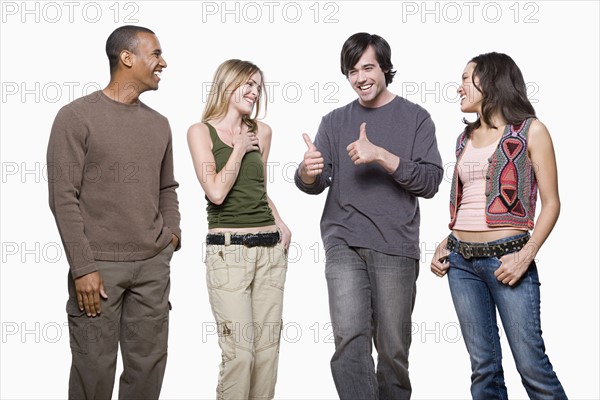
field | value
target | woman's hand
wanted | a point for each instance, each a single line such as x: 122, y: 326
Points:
x: 247, y: 140
x: 439, y: 263
x: 514, y: 265
x: 286, y: 235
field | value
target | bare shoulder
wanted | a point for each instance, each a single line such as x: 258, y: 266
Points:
x: 199, y: 133
x: 264, y: 134
x: 538, y: 130
x: 264, y: 130
x: 198, y: 128
x: 198, y: 136
x: 539, y: 136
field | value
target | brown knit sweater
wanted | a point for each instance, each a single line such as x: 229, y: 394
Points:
x: 111, y: 183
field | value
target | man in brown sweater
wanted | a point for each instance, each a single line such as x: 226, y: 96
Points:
x: 112, y: 192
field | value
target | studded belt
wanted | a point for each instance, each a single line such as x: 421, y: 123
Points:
x: 469, y: 250
x: 248, y: 239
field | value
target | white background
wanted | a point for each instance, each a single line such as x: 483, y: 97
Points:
x: 52, y: 53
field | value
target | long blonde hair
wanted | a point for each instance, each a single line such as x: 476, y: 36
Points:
x: 229, y: 76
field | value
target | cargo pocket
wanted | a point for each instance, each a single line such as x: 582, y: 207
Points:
x: 278, y: 267
x: 226, y: 341
x: 78, y: 322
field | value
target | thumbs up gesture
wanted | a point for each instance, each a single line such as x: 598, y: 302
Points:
x: 363, y: 151
x: 313, y: 162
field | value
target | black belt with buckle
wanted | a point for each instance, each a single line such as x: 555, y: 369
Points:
x: 469, y: 250
x: 248, y: 239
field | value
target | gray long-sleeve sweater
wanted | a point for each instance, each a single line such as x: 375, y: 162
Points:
x: 366, y: 206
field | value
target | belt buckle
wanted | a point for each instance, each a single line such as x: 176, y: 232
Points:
x: 466, y: 251
x: 250, y: 239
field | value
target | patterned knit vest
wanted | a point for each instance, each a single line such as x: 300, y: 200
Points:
x: 511, y: 186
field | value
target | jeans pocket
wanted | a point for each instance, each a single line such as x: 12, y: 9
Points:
x: 278, y: 266
x: 454, y: 258
x: 494, y: 262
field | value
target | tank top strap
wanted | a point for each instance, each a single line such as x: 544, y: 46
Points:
x: 213, y: 133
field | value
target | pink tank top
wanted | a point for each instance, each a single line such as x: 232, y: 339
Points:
x: 472, y: 170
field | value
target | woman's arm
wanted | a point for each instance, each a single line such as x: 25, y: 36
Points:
x: 217, y: 185
x: 541, y: 154
x: 264, y: 138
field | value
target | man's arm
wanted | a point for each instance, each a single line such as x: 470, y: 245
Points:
x: 66, y: 162
x: 420, y: 176
x: 423, y: 173
x: 168, y: 202
x: 313, y: 174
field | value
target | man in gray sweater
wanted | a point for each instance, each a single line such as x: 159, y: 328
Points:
x: 112, y: 192
x: 377, y: 155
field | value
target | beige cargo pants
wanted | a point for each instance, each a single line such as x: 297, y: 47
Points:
x: 245, y: 286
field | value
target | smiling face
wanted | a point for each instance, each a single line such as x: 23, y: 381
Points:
x: 470, y: 97
x: 244, y: 98
x: 147, y: 62
x: 368, y: 80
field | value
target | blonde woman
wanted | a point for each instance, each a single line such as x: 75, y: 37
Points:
x: 247, y: 241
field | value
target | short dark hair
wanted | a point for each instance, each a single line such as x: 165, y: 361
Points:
x: 357, y: 44
x: 122, y: 38
x: 503, y: 88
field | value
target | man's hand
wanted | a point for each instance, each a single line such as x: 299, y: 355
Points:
x: 313, y: 162
x: 363, y: 151
x: 175, y: 241
x: 89, y: 289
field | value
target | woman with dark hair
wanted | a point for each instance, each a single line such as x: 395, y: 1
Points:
x: 503, y: 159
x: 247, y: 242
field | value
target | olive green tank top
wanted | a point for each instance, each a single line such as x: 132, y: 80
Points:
x: 246, y: 204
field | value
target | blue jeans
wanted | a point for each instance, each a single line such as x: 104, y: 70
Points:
x: 477, y: 294
x: 371, y: 298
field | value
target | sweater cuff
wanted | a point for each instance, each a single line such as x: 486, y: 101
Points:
x: 314, y: 188
x: 81, y: 271
x: 403, y: 174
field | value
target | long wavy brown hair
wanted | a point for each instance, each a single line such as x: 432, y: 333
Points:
x: 503, y: 88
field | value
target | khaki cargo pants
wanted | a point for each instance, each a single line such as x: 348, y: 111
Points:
x: 245, y: 286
